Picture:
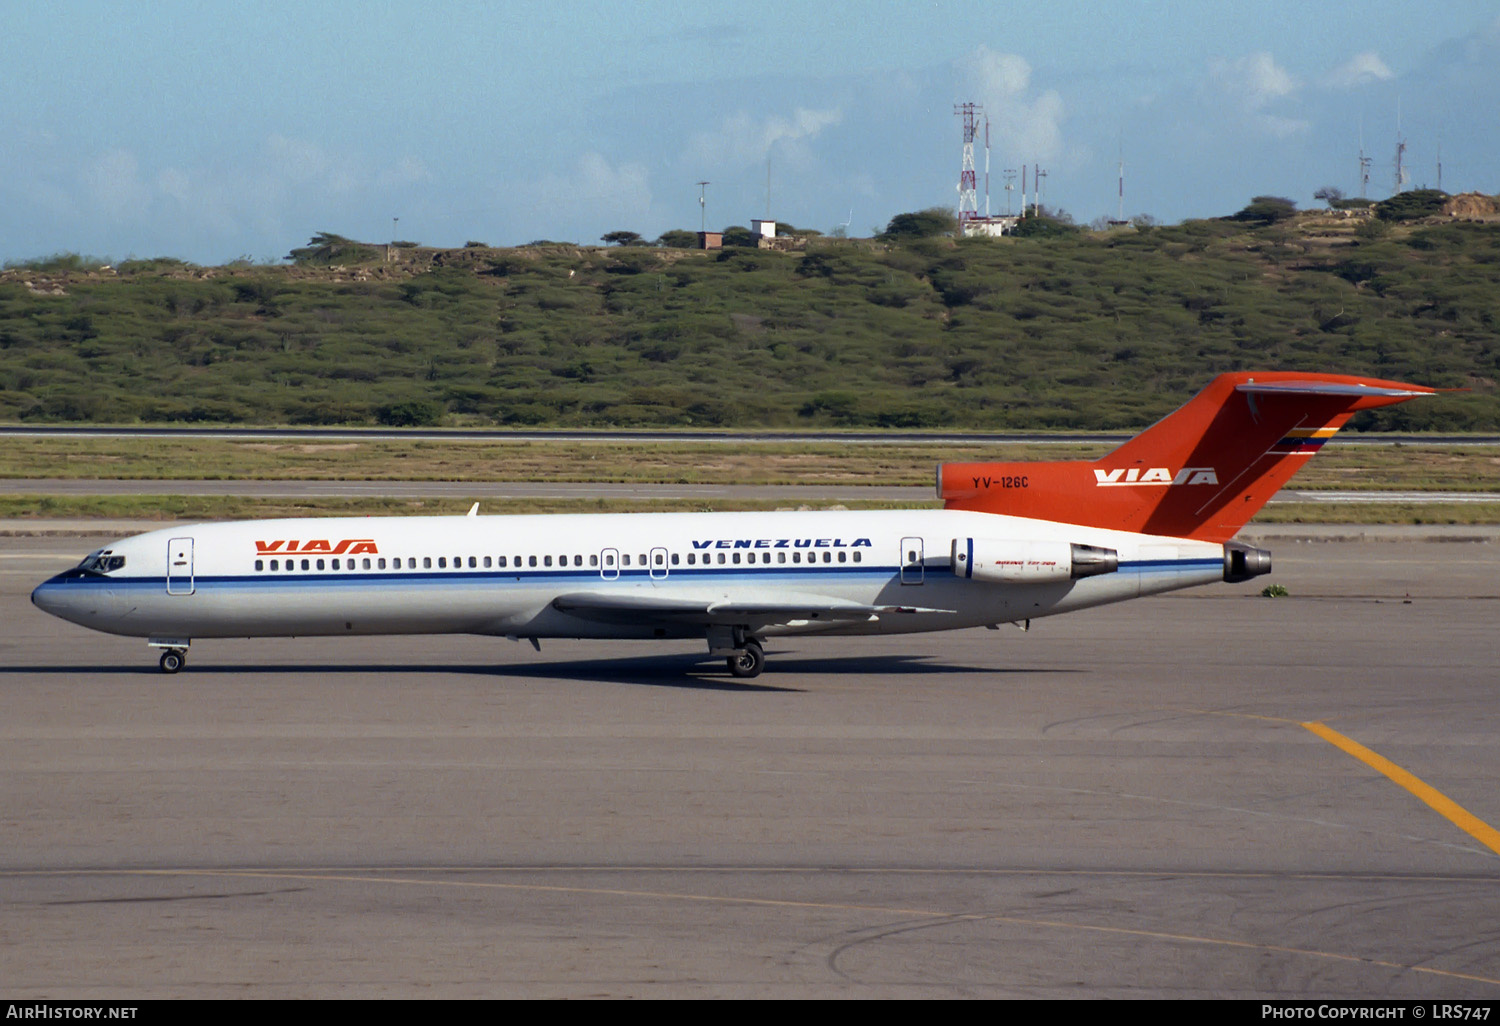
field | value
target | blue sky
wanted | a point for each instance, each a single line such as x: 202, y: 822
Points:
x: 210, y: 131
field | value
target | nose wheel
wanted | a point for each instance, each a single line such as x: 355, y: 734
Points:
x: 172, y: 660
x: 749, y: 661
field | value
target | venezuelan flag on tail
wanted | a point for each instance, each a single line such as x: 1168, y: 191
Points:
x: 1201, y: 472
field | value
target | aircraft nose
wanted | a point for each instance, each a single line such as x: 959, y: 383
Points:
x: 50, y: 596
x: 67, y: 597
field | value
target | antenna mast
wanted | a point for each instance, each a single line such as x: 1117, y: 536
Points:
x: 1400, y: 151
x: 1120, y: 216
x: 968, y: 193
x: 987, y: 168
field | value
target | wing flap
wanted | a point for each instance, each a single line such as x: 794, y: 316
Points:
x: 627, y: 607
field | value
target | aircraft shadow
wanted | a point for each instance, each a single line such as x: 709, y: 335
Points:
x: 694, y: 672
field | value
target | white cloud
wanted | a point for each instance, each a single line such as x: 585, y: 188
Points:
x: 596, y: 188
x: 406, y: 171
x: 743, y: 139
x: 1255, y: 82
x: 1361, y: 69
x: 625, y: 187
x: 113, y: 183
x: 1027, y: 126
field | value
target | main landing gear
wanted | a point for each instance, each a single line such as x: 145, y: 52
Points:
x: 746, y: 657
x: 173, y: 652
x: 748, y: 661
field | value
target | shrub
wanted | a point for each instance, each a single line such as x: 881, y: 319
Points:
x: 920, y: 225
x: 412, y: 413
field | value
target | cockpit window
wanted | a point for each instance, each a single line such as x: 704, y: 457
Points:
x: 101, y: 562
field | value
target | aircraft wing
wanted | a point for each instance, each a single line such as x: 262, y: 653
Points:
x: 625, y: 607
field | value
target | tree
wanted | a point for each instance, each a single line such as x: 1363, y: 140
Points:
x: 1042, y: 227
x: 412, y: 413
x: 621, y: 238
x: 327, y: 248
x: 1266, y: 210
x: 739, y: 235
x: 677, y: 238
x: 1329, y: 193
x: 920, y: 225
x: 1408, y: 206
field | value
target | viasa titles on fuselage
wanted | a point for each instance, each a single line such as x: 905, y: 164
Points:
x: 1013, y: 542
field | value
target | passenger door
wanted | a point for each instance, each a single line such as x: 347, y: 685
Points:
x: 180, y: 566
x: 913, y: 565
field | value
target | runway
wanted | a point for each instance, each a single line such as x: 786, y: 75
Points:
x: 1126, y: 802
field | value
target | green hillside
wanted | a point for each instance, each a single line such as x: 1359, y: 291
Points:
x: 1085, y: 330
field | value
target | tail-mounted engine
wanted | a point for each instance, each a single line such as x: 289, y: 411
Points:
x: 1242, y: 562
x: 1030, y: 562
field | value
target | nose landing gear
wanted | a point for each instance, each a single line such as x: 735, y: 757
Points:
x: 173, y: 652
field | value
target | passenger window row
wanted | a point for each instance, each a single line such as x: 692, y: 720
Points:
x: 501, y: 562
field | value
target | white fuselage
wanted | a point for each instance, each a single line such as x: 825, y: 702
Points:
x: 511, y: 575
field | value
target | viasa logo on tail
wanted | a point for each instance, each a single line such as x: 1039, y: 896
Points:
x: 348, y: 546
x: 1123, y: 476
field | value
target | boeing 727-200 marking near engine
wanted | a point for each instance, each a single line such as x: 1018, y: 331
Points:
x: 1014, y: 542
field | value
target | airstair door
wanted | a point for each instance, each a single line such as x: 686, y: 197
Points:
x: 913, y: 566
x: 180, y: 566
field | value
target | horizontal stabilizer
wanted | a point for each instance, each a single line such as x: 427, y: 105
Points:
x: 1353, y: 389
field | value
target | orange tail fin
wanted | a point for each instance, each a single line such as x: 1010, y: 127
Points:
x: 1201, y: 472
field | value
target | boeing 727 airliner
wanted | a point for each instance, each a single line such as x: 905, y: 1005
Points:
x: 1014, y: 542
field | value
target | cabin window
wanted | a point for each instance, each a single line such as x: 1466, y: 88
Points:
x: 609, y: 560
x: 336, y: 564
x: 856, y: 555
x: 828, y: 557
x: 442, y: 562
x: 721, y: 559
x: 643, y: 559
x: 291, y: 564
x: 625, y: 559
x: 796, y: 557
x: 842, y: 556
x: 275, y: 565
x: 486, y: 562
x: 781, y: 557
x: 531, y: 560
x: 305, y: 565
x: 427, y: 562
x: 260, y: 564
x: 692, y: 558
x: 736, y: 557
x: 674, y: 559
x: 593, y: 559
x: 500, y: 561
x: 578, y: 560
x: 546, y: 561
x: 661, y: 560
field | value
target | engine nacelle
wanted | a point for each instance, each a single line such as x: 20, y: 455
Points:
x: 1242, y: 562
x: 1030, y: 562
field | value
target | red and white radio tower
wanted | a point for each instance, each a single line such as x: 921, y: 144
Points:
x: 968, y: 188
